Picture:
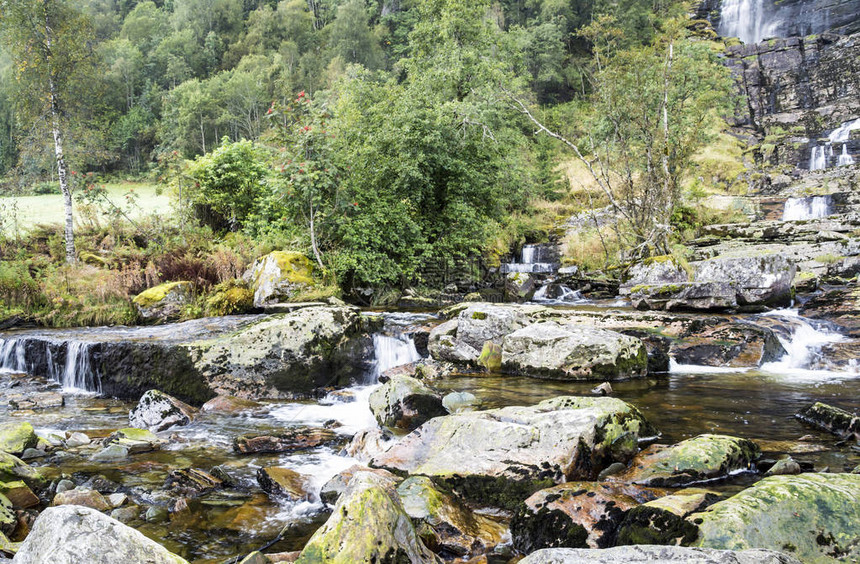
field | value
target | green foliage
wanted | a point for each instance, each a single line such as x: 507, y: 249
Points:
x: 229, y: 180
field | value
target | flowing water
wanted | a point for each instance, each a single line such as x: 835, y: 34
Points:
x: 534, y: 259
x: 689, y: 400
x: 814, y: 207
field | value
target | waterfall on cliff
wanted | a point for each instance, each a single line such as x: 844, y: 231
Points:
x: 745, y: 19
x: 798, y: 209
x: 12, y: 355
x: 845, y: 159
x: 818, y: 158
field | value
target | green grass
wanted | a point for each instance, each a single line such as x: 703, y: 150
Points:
x: 46, y: 209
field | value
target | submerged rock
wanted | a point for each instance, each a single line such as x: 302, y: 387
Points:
x: 368, y: 525
x: 158, y: 411
x: 279, y: 276
x: 656, y: 555
x: 832, y: 419
x: 192, y: 482
x: 404, y: 403
x: 38, y: 400
x: 575, y: 515
x: 15, y: 437
x: 815, y: 517
x: 460, y: 401
x: 444, y: 523
x: 164, y: 302
x: 706, y: 457
x: 504, y: 455
x: 572, y: 352
x: 283, y: 482
x: 72, y: 535
x: 296, y: 438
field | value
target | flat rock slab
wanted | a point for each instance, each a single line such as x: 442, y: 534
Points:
x: 656, y: 555
x: 298, y: 438
x: 815, y: 517
x: 504, y: 455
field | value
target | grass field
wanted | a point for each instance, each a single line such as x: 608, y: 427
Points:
x: 35, y: 210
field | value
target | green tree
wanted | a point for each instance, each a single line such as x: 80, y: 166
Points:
x: 48, y: 40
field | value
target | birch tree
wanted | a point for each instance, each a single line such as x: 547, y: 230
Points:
x: 48, y: 40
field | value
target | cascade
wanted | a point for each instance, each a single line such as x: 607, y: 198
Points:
x: 77, y: 375
x: 803, y: 345
x: 845, y: 159
x: 818, y: 158
x: 558, y: 294
x: 534, y: 259
x: 391, y: 352
x: 12, y: 355
x: 798, y: 209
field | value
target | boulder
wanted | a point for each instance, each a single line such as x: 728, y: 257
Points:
x: 404, y: 403
x: 230, y: 404
x: 368, y: 443
x: 734, y: 344
x: 158, y: 411
x: 368, y: 525
x: 575, y: 515
x: 663, y: 520
x: 706, y: 457
x: 572, y: 352
x: 279, y: 276
x: 111, y: 453
x: 748, y: 282
x: 295, y: 438
x: 655, y: 555
x: 16, y: 437
x: 832, y: 419
x: 13, y: 469
x: 815, y: 517
x: 519, y: 286
x: 332, y: 489
x: 82, y: 497
x: 654, y: 271
x: 462, y: 339
x: 784, y: 467
x: 504, y: 455
x: 164, y: 302
x: 284, y: 483
x: 444, y: 524
x: 71, y: 535
x: 286, y: 354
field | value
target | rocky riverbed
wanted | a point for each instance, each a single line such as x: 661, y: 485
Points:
x: 498, y: 444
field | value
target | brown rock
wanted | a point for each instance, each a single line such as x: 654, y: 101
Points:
x: 19, y: 494
x: 87, y: 498
x: 230, y: 404
x: 283, y: 482
x: 297, y: 438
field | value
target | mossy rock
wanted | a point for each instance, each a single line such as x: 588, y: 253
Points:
x: 230, y: 298
x: 491, y: 357
x: 13, y: 468
x: 164, y: 302
x: 15, y: 437
x: 815, y: 517
x: 706, y: 457
x: 280, y: 276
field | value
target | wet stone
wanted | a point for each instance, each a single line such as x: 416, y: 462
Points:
x: 39, y: 400
x: 298, y: 438
x: 32, y: 453
x: 191, y: 482
x: 83, y: 497
x: 111, y: 453
x: 65, y: 485
x: 283, y: 482
x: 76, y: 440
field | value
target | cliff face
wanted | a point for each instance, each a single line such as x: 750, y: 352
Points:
x: 797, y: 91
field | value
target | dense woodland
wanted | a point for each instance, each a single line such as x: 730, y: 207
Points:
x: 376, y: 137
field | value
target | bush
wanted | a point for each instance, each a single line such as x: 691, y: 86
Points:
x: 230, y: 298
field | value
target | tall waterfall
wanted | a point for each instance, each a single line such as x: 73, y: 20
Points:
x: 798, y: 209
x: 743, y: 19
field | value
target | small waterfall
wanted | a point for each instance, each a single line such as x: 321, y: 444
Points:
x: 12, y: 355
x: 77, y: 375
x: 558, y: 294
x: 802, y: 345
x: 818, y: 158
x: 845, y: 159
x: 534, y: 259
x: 797, y: 209
x: 843, y: 133
x: 391, y: 352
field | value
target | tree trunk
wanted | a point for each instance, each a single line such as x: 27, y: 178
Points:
x: 58, y: 149
x: 314, y: 239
